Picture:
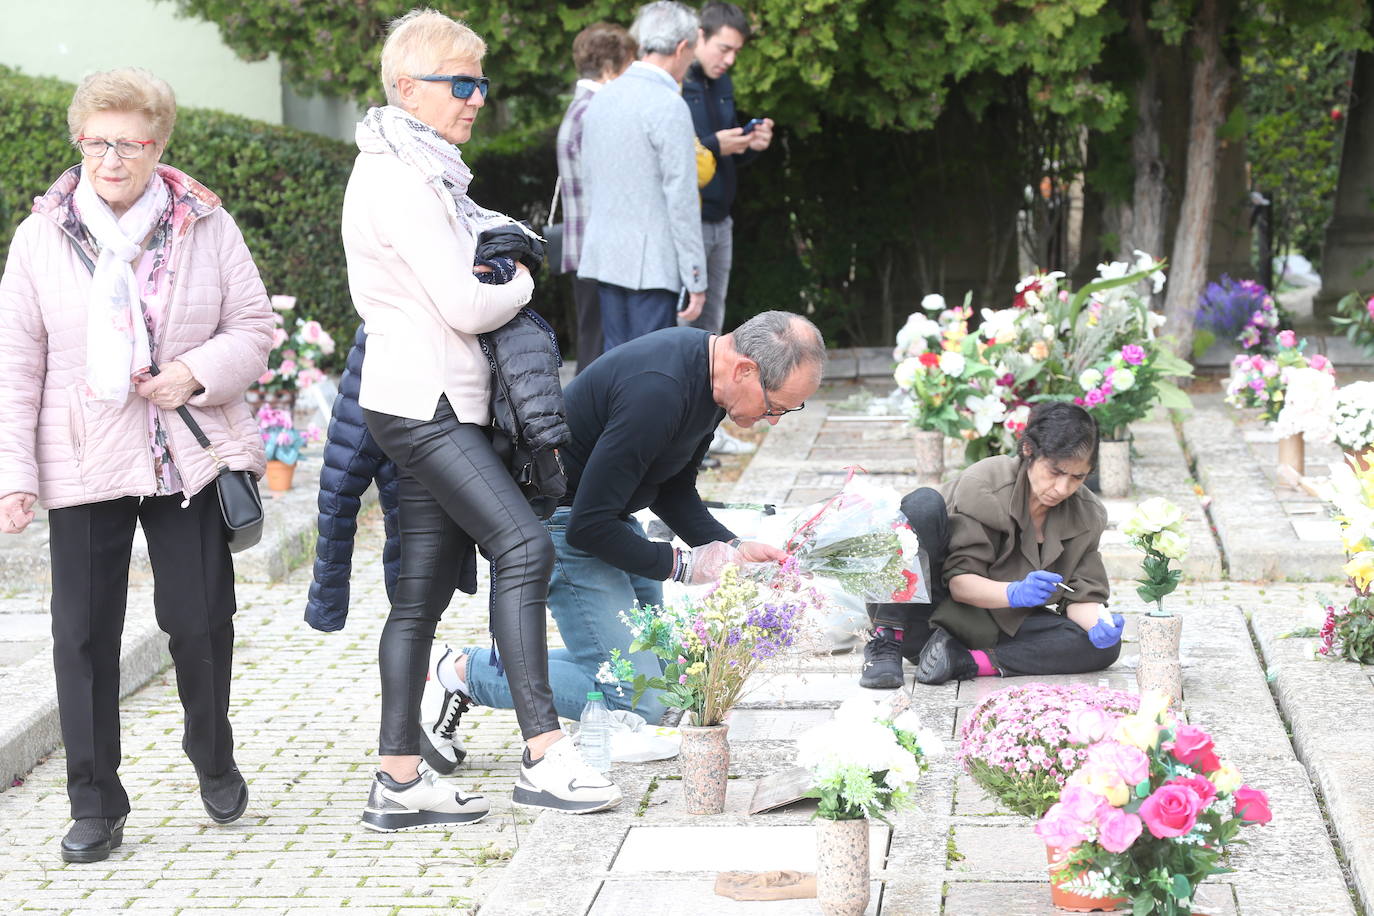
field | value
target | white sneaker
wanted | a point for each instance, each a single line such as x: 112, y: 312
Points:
x: 722, y: 443
x: 422, y: 802
x: 440, y: 712
x: 562, y: 781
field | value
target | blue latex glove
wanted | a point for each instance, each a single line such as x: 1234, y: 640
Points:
x: 1104, y: 634
x: 1034, y: 590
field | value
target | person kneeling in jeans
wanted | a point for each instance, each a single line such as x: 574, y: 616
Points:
x: 1017, y: 581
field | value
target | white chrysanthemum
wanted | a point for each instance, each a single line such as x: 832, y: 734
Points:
x: 952, y: 363
x: 1308, y: 405
x: 905, y: 375
x: 1123, y: 380
x: 1089, y: 379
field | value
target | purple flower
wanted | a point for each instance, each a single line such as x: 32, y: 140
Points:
x: 1133, y: 354
x: 1257, y: 384
x: 1094, y: 398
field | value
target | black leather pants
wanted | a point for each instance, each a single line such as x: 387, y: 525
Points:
x: 452, y: 484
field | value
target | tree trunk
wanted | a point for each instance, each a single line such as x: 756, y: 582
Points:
x: 1149, y: 202
x: 1193, y: 239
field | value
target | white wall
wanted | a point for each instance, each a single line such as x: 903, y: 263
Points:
x: 70, y: 38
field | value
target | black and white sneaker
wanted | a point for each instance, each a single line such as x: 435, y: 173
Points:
x: 440, y: 712
x: 422, y: 802
x: 562, y: 781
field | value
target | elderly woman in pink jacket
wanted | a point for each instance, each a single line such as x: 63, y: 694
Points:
x: 123, y: 265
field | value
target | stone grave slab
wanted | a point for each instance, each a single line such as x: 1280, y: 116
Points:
x: 998, y: 851
x: 1033, y: 899
x: 774, y: 724
x: 667, y: 805
x: 830, y: 689
x: 717, y: 849
x: 635, y: 897
x: 1315, y: 529
x: 972, y: 801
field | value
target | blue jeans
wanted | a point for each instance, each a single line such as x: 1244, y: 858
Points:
x: 586, y: 596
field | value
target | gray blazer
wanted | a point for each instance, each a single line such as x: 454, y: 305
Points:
x: 639, y: 169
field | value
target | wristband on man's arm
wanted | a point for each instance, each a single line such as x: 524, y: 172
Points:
x: 682, y: 566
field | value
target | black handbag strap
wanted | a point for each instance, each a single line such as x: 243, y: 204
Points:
x: 153, y: 369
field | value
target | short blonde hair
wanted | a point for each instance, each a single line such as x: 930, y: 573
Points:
x: 125, y: 89
x: 419, y: 41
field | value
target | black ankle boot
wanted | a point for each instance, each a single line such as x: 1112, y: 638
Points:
x: 90, y: 839
x: 225, y: 796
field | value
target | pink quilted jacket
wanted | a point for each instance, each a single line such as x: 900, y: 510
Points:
x: 69, y: 450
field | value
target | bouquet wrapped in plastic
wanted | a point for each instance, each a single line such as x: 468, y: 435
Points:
x: 860, y: 540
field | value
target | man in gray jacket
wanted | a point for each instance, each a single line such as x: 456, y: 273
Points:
x: 643, y: 236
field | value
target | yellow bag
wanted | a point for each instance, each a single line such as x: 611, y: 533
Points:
x: 706, y: 164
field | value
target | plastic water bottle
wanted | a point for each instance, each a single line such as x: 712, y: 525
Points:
x: 594, y: 736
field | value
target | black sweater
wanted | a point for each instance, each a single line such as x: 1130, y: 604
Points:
x: 641, y: 417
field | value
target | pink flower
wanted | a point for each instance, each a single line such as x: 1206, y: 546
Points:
x: 1288, y: 339
x: 311, y: 332
x: 1257, y: 362
x: 1199, y: 784
x: 1170, y: 811
x: 287, y: 368
x: 1193, y: 746
x: 266, y: 377
x: 1079, y: 803
x: 682, y: 678
x: 279, y: 336
x: 1369, y: 306
x: 1094, y: 398
x: 1060, y: 830
x: 1089, y: 724
x: 284, y: 438
x: 1133, y: 354
x: 1270, y: 370
x: 1317, y: 361
x: 1257, y: 384
x: 1252, y: 806
x: 1130, y: 762
x: 1116, y: 829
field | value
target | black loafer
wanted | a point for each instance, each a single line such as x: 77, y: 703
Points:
x: 943, y: 659
x: 90, y: 839
x: 224, y: 796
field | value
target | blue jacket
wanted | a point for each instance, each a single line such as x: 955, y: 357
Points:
x: 712, y: 103
x: 352, y: 461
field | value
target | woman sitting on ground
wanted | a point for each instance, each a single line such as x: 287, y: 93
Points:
x: 1017, y: 580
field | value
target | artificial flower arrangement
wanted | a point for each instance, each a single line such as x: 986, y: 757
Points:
x: 1125, y: 387
x: 938, y: 364
x: 1151, y: 812
x: 712, y: 644
x: 1240, y: 309
x: 293, y: 363
x: 1352, y: 417
x: 1348, y: 631
x: 1260, y: 381
x: 1355, y: 313
x: 1019, y: 745
x: 865, y: 762
x: 281, y: 440
x: 1156, y: 528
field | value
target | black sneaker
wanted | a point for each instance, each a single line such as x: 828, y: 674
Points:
x: 423, y: 802
x: 225, y: 796
x: 90, y: 839
x: 440, y: 712
x: 882, y: 663
x: 945, y: 659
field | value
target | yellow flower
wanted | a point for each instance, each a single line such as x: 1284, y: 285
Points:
x: 1152, y: 703
x: 697, y: 668
x: 1226, y: 779
x: 1361, y: 569
x: 1104, y: 782
x: 1137, y: 731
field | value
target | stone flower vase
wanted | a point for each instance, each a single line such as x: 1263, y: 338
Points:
x: 929, y: 452
x: 705, y: 757
x: 1292, y: 452
x: 1159, y: 669
x: 1114, y: 468
x: 1071, y: 900
x: 842, y: 866
x: 279, y: 475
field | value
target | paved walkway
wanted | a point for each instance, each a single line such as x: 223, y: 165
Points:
x: 306, y: 704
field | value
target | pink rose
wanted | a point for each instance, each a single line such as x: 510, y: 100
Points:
x: 1257, y: 362
x: 1288, y: 339
x: 1252, y: 806
x: 1317, y: 361
x: 1369, y: 306
x: 311, y: 332
x: 1270, y: 370
x: 1130, y: 762
x: 1202, y: 786
x: 278, y: 337
x: 1133, y: 354
x: 266, y: 377
x: 1088, y: 725
x: 1079, y: 803
x: 1094, y: 398
x: 1170, y: 811
x: 1059, y: 830
x: 1116, y: 829
x: 287, y: 368
x: 1193, y: 746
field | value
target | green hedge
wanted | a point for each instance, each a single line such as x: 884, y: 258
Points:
x: 284, y: 188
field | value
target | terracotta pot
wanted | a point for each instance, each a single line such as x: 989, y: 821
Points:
x: 705, y: 757
x: 1114, y: 468
x: 1292, y: 453
x: 1070, y: 900
x: 930, y: 452
x: 1159, y: 668
x: 279, y: 475
x: 842, y: 866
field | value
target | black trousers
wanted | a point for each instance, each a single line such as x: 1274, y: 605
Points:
x: 454, y: 487
x: 587, y: 302
x: 193, y: 596
x: 1045, y: 643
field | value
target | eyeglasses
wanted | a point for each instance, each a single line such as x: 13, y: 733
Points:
x: 463, y: 86
x: 95, y: 147
x: 770, y: 410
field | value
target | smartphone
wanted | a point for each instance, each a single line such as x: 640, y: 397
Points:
x: 749, y: 128
x: 682, y: 301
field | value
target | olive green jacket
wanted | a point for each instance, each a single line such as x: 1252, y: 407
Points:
x: 991, y: 535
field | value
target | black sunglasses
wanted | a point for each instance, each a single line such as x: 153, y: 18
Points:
x: 463, y: 86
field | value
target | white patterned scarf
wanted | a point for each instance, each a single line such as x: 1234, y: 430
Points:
x: 116, y: 333
x: 393, y: 130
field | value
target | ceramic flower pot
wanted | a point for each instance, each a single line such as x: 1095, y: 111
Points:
x: 929, y: 452
x: 279, y: 475
x: 1066, y: 899
x: 1159, y: 668
x: 842, y: 866
x: 1292, y: 453
x: 705, y: 757
x: 1114, y: 468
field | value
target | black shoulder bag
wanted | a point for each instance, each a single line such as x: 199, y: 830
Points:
x: 240, y: 504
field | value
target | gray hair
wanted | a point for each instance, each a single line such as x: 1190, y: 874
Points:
x: 779, y: 343
x: 660, y: 27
